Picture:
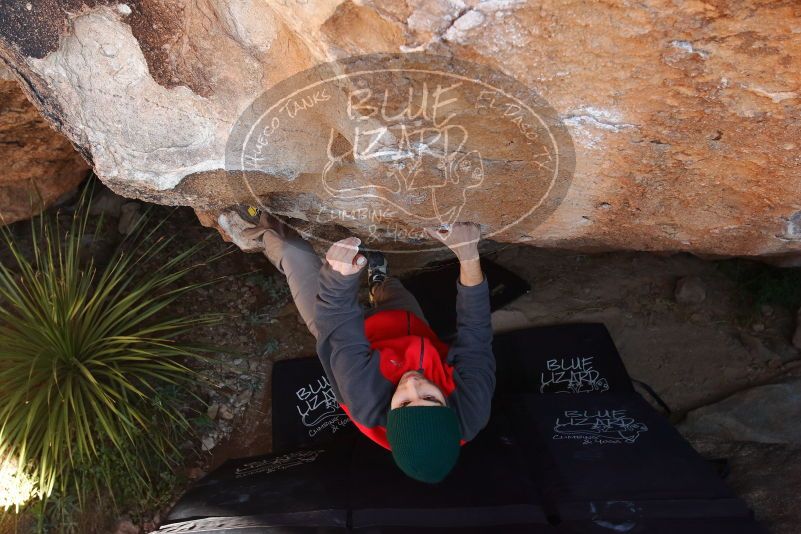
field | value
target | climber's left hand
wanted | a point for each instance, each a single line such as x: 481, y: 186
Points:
x: 344, y: 257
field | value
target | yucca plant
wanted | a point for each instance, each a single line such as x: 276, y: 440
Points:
x: 87, y: 353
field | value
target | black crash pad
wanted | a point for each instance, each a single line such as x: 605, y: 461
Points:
x: 566, y: 358
x: 590, y: 460
x: 303, y: 487
x: 352, y: 482
x: 488, y: 487
x: 569, y: 358
x: 244, y: 525
x: 604, y: 524
x: 599, y: 450
x: 304, y: 410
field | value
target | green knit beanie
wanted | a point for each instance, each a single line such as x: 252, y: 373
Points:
x: 424, y: 441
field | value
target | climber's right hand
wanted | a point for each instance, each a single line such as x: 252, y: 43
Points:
x: 461, y: 237
x: 344, y: 257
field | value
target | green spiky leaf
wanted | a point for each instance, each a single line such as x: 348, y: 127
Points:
x: 86, y: 353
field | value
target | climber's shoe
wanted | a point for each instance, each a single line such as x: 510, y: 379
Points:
x: 249, y: 214
x: 246, y: 227
x: 377, y: 270
x: 240, y: 230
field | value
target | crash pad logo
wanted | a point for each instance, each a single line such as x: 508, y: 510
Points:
x: 598, y: 427
x: 318, y: 408
x: 394, y: 143
x: 572, y: 375
x: 278, y: 463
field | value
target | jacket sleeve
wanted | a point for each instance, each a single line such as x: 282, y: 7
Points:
x: 352, y: 367
x: 471, y: 356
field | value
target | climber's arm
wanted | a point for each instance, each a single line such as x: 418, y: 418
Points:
x: 342, y: 346
x: 470, y: 353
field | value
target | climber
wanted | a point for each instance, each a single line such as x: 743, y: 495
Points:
x: 397, y: 381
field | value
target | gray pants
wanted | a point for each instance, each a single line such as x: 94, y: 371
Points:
x: 295, y: 258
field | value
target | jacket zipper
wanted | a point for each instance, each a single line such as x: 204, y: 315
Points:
x: 421, y: 354
x: 409, y: 331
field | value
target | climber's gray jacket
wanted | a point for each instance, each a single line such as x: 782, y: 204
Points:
x: 364, y: 359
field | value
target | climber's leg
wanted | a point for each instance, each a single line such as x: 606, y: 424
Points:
x: 294, y: 257
x: 392, y: 295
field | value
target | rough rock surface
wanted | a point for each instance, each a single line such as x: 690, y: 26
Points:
x: 761, y: 474
x: 39, y: 164
x: 765, y: 414
x: 690, y: 290
x: 684, y: 116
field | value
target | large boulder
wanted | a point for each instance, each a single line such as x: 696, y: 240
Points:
x: 766, y: 414
x: 675, y: 125
x: 39, y: 164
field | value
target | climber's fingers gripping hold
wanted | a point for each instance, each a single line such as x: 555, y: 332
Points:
x: 461, y: 237
x: 344, y: 257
